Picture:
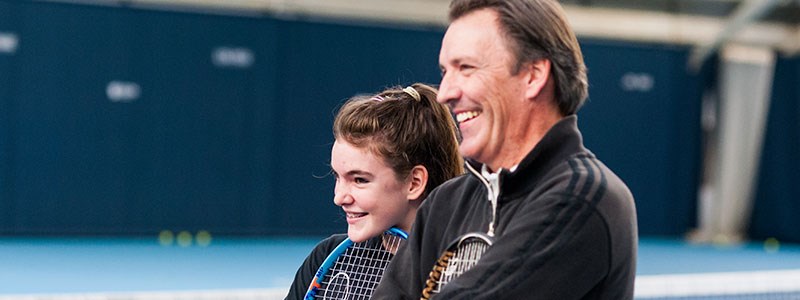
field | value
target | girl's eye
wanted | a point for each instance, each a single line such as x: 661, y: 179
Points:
x: 361, y: 180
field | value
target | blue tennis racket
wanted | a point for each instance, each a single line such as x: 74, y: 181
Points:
x: 353, y: 270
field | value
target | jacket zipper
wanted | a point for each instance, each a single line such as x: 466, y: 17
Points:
x: 490, y: 196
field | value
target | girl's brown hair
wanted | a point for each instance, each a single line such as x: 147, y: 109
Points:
x: 404, y: 129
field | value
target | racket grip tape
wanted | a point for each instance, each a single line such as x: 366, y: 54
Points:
x: 435, y: 274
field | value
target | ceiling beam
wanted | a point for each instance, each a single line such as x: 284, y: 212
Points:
x: 704, y: 33
x: 747, y: 13
x: 394, y: 11
x: 661, y: 27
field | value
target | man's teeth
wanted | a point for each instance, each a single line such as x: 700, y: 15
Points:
x: 461, y: 117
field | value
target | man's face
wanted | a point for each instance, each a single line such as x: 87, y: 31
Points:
x: 478, y: 86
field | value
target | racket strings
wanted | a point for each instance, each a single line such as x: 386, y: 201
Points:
x: 464, y: 259
x: 452, y: 264
x: 357, y: 272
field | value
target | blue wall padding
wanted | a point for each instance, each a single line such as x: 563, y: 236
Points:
x: 242, y: 146
x: 777, y: 197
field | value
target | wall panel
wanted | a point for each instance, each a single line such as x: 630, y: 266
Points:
x: 322, y: 65
x: 65, y: 174
x: 643, y: 120
x: 208, y: 86
x: 136, y: 121
x: 776, y: 205
x: 9, y: 43
x: 130, y: 121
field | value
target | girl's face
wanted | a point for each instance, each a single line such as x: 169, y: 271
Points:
x: 369, y: 192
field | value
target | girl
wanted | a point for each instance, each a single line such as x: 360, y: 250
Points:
x: 390, y: 151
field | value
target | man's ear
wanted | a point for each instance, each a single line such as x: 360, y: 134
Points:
x: 418, y: 180
x: 538, y: 75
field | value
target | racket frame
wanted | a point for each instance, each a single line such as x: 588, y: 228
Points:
x: 316, y: 283
x: 432, y: 284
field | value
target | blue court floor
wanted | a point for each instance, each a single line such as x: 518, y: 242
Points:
x: 265, y: 266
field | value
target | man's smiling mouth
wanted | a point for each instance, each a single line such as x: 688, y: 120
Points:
x: 466, y: 116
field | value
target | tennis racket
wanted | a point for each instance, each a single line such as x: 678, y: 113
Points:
x: 353, y: 270
x: 460, y: 256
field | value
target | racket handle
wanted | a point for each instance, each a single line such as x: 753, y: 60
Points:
x: 435, y: 274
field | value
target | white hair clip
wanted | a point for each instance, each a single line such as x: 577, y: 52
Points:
x: 411, y: 91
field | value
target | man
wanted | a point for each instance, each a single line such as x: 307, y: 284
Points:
x: 563, y: 224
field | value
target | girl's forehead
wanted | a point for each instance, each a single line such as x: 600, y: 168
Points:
x: 347, y: 156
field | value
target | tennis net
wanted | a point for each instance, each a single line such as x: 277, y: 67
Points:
x: 756, y: 285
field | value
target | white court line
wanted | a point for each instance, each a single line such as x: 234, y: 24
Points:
x: 723, y: 283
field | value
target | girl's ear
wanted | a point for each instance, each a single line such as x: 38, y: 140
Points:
x: 418, y: 180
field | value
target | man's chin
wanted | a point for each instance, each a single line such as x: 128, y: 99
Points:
x: 468, y: 152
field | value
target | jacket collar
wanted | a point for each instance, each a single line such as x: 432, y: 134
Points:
x: 561, y: 141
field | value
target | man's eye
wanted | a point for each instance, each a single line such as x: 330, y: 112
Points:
x: 361, y: 180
